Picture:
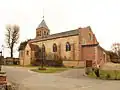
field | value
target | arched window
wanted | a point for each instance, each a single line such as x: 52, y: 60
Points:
x: 90, y: 36
x: 54, y: 47
x: 40, y: 33
x: 27, y: 52
x: 43, y: 48
x: 44, y: 32
x: 47, y: 33
x: 68, y: 46
x: 83, y: 41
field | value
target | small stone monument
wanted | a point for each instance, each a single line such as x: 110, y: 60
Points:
x: 3, y: 80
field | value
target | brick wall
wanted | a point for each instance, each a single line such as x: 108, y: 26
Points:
x: 77, y: 54
x: 88, y: 53
x: 85, y: 34
x: 102, y: 56
x: 61, y: 42
x: 41, y: 31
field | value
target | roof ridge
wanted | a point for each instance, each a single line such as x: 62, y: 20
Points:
x: 65, y: 31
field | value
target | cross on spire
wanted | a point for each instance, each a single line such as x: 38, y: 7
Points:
x: 43, y: 13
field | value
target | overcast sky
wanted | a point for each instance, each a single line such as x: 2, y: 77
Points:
x: 62, y: 15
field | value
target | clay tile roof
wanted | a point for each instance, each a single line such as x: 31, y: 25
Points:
x: 34, y: 47
x: 43, y: 24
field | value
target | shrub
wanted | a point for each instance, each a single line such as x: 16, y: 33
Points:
x: 116, y: 73
x: 55, y: 63
x: 88, y: 70
x: 108, y: 76
x: 41, y: 68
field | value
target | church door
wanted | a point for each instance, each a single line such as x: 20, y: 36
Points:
x: 88, y: 63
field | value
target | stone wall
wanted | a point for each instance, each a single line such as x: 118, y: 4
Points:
x: 73, y: 57
x: 61, y: 48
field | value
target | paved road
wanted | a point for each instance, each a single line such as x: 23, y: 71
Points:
x: 36, y: 81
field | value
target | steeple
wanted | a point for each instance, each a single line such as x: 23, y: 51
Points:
x: 43, y: 24
x: 42, y: 30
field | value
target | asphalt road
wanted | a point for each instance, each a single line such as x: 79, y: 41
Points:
x: 28, y: 80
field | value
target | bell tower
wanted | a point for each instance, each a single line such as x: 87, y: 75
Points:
x: 42, y: 30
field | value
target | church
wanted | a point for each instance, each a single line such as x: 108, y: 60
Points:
x: 73, y: 47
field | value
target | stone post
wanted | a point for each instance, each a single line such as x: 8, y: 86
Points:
x: 88, y: 67
x: 3, y: 80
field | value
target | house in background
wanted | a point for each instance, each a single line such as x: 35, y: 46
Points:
x: 73, y: 47
x: 11, y: 61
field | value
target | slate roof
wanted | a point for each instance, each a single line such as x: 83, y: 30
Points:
x: 63, y: 34
x: 43, y: 24
x: 22, y: 45
x: 58, y: 35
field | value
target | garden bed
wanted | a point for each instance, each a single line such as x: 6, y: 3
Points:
x: 50, y: 70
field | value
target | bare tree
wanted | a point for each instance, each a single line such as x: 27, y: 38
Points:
x: 116, y: 48
x: 12, y: 36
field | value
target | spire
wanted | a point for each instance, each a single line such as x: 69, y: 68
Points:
x: 42, y: 24
x: 43, y: 13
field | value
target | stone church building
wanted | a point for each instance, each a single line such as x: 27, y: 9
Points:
x: 73, y: 47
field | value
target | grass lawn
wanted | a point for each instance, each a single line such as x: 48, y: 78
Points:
x: 12, y: 65
x: 50, y: 70
x: 27, y: 66
x: 107, y: 74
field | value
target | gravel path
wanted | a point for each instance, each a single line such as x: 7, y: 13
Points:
x: 74, y: 73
